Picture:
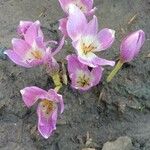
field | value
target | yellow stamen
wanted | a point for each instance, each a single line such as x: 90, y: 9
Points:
x: 47, y: 106
x: 88, y: 48
x: 83, y: 81
x: 37, y: 54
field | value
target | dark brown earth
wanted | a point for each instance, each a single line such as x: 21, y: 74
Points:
x: 124, y: 105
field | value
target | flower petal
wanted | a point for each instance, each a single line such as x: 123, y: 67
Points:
x: 92, y: 27
x: 20, y: 47
x: 31, y: 94
x: 63, y: 26
x: 39, y: 43
x: 93, y: 61
x: 16, y: 58
x: 88, y: 60
x: 33, y: 32
x: 106, y: 38
x: 131, y: 45
x: 96, y: 74
x: 64, y: 4
x: 88, y: 4
x: 103, y: 62
x: 74, y: 64
x: 23, y: 26
x: 46, y: 123
x: 75, y: 26
x: 91, y: 12
x: 60, y: 46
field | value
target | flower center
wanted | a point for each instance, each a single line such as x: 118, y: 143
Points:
x: 83, y: 80
x: 47, y: 106
x: 34, y: 55
x: 87, y: 48
x: 37, y: 54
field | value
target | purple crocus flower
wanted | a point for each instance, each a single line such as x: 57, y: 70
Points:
x: 129, y: 49
x: 31, y: 50
x: 48, y: 108
x: 131, y: 45
x: 81, y: 76
x: 86, y: 38
x: 86, y: 6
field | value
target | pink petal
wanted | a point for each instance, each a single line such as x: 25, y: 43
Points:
x: 39, y: 43
x: 63, y: 26
x: 92, y: 27
x: 54, y: 96
x: 16, y: 58
x: 88, y: 4
x: 35, y: 62
x: 23, y: 26
x: 31, y: 94
x: 103, y: 62
x: 74, y: 64
x: 76, y: 22
x: 91, y: 12
x: 94, y: 61
x: 60, y: 46
x: 20, y: 47
x: 64, y: 4
x: 33, y: 32
x: 46, y: 124
x: 88, y: 62
x: 106, y: 38
x: 96, y: 73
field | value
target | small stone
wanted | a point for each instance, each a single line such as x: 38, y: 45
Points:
x: 122, y: 143
x: 61, y: 122
x: 2, y: 55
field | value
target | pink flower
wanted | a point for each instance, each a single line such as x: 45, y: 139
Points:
x: 48, y: 108
x: 86, y: 38
x: 131, y: 45
x: 81, y: 77
x: 86, y: 6
x: 129, y: 49
x: 31, y: 50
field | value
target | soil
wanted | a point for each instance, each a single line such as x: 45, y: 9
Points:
x: 108, y: 111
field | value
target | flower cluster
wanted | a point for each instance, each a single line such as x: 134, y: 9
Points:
x: 85, y: 68
x: 29, y: 51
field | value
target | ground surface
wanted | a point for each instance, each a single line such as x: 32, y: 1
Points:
x: 124, y: 107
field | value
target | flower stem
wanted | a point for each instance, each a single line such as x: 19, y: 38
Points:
x: 57, y: 81
x: 114, y: 71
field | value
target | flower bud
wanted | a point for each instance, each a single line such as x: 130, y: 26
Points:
x: 131, y: 45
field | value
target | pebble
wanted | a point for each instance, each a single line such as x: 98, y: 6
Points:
x: 122, y: 143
